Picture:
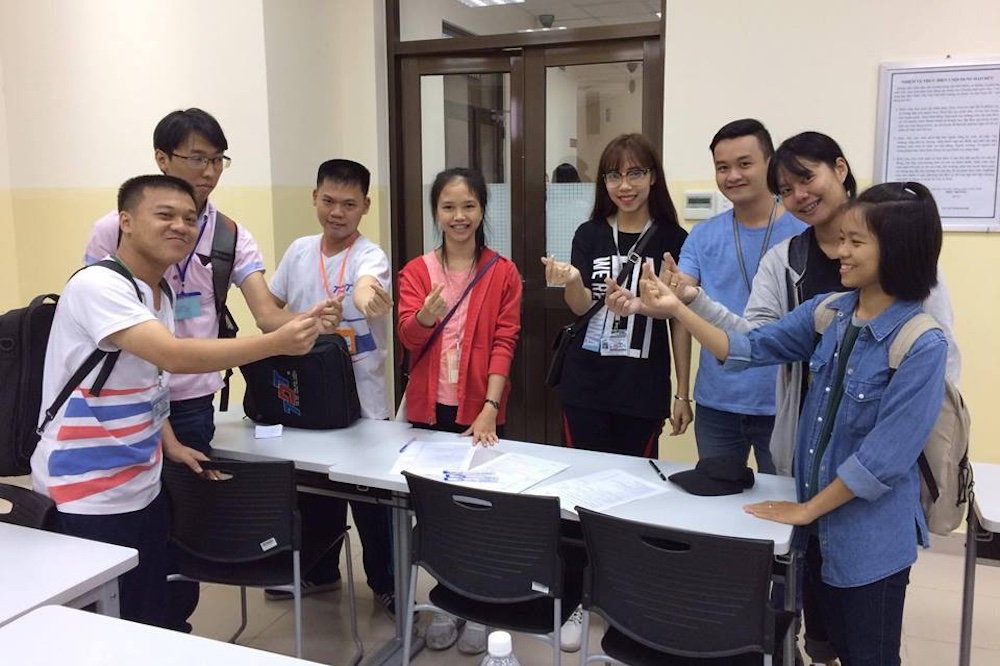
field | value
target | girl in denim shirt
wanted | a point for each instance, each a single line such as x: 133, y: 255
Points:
x: 862, y: 427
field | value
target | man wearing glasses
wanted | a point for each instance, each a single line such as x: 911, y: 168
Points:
x: 191, y: 145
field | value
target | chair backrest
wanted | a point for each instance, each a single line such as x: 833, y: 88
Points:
x: 486, y: 545
x: 249, y: 514
x: 679, y: 592
x: 28, y: 508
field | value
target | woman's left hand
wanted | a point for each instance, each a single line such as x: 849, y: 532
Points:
x: 682, y: 417
x: 484, y: 428
x: 789, y: 513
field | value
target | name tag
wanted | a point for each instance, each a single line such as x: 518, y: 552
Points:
x: 161, y: 406
x: 615, y: 344
x: 350, y: 337
x: 187, y: 306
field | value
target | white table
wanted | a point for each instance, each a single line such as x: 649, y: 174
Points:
x: 358, y: 460
x: 56, y: 636
x: 38, y: 568
x: 984, y: 516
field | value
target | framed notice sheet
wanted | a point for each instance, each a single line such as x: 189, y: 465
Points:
x: 939, y: 124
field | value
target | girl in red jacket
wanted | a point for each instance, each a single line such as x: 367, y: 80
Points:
x: 459, y: 316
x: 458, y: 370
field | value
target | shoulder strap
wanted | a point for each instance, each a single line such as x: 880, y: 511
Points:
x: 798, y: 252
x: 444, y: 320
x: 223, y: 258
x: 113, y: 265
x: 908, y: 334
x: 823, y: 315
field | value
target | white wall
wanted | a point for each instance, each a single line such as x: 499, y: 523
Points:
x: 560, y: 118
x: 10, y: 292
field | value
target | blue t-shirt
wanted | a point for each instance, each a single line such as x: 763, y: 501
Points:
x: 709, y: 255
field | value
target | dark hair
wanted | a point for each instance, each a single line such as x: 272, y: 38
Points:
x: 345, y: 172
x: 745, y: 127
x: 133, y: 190
x: 176, y: 126
x: 565, y: 173
x: 811, y: 146
x: 640, y: 149
x: 477, y: 185
x: 904, y: 218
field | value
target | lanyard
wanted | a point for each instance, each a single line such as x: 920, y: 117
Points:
x: 322, y: 269
x: 182, y: 272
x: 763, y: 247
x: 616, y: 257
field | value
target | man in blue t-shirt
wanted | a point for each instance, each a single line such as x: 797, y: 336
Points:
x: 736, y: 411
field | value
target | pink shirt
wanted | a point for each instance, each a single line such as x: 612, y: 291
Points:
x: 454, y: 283
x: 198, y: 278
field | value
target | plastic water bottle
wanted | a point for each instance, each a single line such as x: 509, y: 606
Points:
x: 499, y: 651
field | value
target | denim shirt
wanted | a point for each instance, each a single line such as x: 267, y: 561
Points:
x: 879, y: 432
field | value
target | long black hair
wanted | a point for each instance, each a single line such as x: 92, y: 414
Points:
x: 477, y: 185
x: 644, y: 154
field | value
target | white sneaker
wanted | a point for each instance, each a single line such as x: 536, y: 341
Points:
x: 473, y: 639
x: 572, y: 631
x: 442, y: 633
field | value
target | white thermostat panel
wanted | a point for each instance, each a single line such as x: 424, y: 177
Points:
x: 703, y: 204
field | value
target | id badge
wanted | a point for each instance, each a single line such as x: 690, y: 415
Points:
x: 187, y: 306
x: 592, y: 338
x: 350, y: 337
x: 451, y: 358
x: 161, y: 405
x: 615, y: 343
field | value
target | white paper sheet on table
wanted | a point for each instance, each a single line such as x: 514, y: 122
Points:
x: 600, y: 491
x: 433, y: 458
x: 513, y: 472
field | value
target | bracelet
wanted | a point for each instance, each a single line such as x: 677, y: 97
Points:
x: 677, y: 396
x: 495, y: 403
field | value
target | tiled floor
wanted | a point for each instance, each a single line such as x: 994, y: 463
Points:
x: 930, y: 626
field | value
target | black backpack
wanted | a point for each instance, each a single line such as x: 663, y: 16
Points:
x: 316, y: 391
x: 24, y: 336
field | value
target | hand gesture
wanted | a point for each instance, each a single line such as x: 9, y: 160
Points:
x: 330, y: 313
x: 659, y: 300
x: 434, y: 307
x: 683, y: 285
x: 621, y: 301
x: 298, y: 336
x: 559, y: 273
x: 374, y: 301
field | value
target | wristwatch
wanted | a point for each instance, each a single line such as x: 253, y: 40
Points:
x: 495, y: 403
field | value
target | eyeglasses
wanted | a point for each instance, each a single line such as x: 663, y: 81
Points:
x: 201, y: 161
x: 634, y: 176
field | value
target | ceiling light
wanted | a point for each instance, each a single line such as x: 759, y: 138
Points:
x: 561, y: 27
x: 490, y: 3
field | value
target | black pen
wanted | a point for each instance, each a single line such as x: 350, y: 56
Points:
x: 653, y: 465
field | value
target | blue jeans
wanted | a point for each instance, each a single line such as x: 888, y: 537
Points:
x: 865, y: 623
x: 143, y: 590
x: 721, y: 433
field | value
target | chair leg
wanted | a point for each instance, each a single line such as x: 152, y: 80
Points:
x: 243, y: 614
x: 360, y: 651
x: 411, y: 599
x: 297, y: 601
x: 556, y: 631
x: 584, y: 636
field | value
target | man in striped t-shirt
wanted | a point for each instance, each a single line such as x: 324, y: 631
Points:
x: 100, y: 457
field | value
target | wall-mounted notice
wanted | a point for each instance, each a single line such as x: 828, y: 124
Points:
x: 939, y: 124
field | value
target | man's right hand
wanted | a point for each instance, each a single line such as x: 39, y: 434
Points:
x: 298, y: 336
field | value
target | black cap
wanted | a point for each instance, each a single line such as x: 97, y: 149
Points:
x: 719, y: 475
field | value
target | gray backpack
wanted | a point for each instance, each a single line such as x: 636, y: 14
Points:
x: 945, y: 474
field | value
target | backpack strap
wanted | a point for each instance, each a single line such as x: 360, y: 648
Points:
x: 113, y: 265
x: 223, y: 258
x: 823, y: 315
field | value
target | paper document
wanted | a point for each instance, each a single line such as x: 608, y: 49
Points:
x: 433, y: 458
x: 508, y: 472
x: 267, y: 431
x: 600, y: 491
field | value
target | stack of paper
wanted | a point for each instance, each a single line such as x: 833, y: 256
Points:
x: 601, y: 490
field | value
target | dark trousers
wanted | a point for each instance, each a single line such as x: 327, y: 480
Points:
x: 865, y: 623
x: 193, y: 422
x: 324, y: 519
x: 143, y: 590
x: 446, y: 416
x: 721, y: 433
x: 595, y: 430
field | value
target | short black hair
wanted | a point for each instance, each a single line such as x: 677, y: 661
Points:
x: 745, y: 127
x: 176, y: 126
x: 345, y: 172
x: 904, y: 218
x: 565, y: 173
x: 642, y: 151
x: 132, y: 191
x: 811, y: 146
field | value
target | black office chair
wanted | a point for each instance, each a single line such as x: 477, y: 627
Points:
x: 675, y: 597
x: 28, y: 508
x: 496, y: 557
x: 243, y: 529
